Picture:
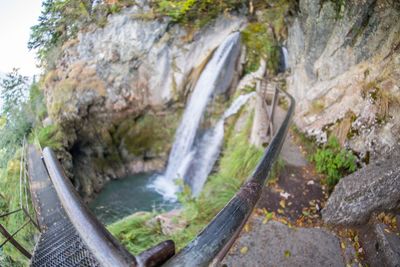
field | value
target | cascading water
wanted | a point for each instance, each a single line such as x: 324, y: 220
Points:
x: 216, y: 76
x: 283, y: 64
x: 210, y: 147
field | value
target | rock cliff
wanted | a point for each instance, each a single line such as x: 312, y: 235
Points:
x: 117, y: 92
x: 344, y: 60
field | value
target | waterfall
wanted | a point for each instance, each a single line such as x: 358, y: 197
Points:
x: 284, y: 65
x: 216, y: 76
x: 210, y: 147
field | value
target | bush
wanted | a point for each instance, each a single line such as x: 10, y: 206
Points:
x: 50, y: 136
x: 195, y: 13
x: 334, y: 162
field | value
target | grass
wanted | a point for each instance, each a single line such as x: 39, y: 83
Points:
x: 139, y: 232
x: 9, y: 201
x: 49, y: 136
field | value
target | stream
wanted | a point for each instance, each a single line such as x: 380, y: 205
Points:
x: 122, y: 197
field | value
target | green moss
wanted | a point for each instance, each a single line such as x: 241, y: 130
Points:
x: 149, y: 134
x: 236, y: 164
x: 62, y: 93
x: 317, y: 106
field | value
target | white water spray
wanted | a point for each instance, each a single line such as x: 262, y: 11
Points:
x: 210, y: 147
x: 217, y: 75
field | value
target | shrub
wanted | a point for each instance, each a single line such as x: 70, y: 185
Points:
x: 195, y: 13
x: 333, y: 161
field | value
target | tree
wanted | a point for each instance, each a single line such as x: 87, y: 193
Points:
x: 13, y: 91
x: 15, y: 118
x: 59, y: 21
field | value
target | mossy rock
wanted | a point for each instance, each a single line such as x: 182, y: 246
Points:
x: 148, y: 135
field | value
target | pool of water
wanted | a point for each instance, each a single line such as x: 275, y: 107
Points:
x: 122, y: 197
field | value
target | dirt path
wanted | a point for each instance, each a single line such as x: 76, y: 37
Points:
x: 286, y: 227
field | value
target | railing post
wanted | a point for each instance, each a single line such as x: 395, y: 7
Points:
x: 10, y: 238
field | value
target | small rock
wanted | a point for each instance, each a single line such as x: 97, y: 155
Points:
x: 170, y: 222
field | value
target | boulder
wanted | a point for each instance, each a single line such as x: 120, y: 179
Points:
x: 374, y: 188
x: 275, y: 244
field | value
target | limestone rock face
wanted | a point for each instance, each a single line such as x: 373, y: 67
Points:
x: 374, y: 188
x: 105, y: 81
x: 344, y: 63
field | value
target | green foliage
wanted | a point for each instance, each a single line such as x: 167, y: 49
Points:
x: 262, y: 37
x: 147, y: 135
x: 139, y: 232
x: 50, y: 136
x: 21, y: 104
x: 136, y: 233
x: 334, y: 162
x: 9, y: 184
x: 61, y: 20
x: 16, y: 116
x: 197, y: 13
x: 13, y: 91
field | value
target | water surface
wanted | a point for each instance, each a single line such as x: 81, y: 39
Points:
x: 122, y: 197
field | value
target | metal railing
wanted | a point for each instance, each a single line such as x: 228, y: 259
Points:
x: 24, y: 206
x: 105, y: 248
x: 215, y: 240
x: 209, y: 247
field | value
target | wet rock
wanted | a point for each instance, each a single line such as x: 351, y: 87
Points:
x: 374, y: 188
x: 275, y: 244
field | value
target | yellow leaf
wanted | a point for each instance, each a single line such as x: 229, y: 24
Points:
x: 244, y: 250
x: 282, y: 203
x: 246, y: 228
x: 342, y: 245
x: 287, y: 253
x: 280, y: 211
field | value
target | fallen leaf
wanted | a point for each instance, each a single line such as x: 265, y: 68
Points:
x: 282, y: 203
x: 244, y: 250
x: 287, y: 253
